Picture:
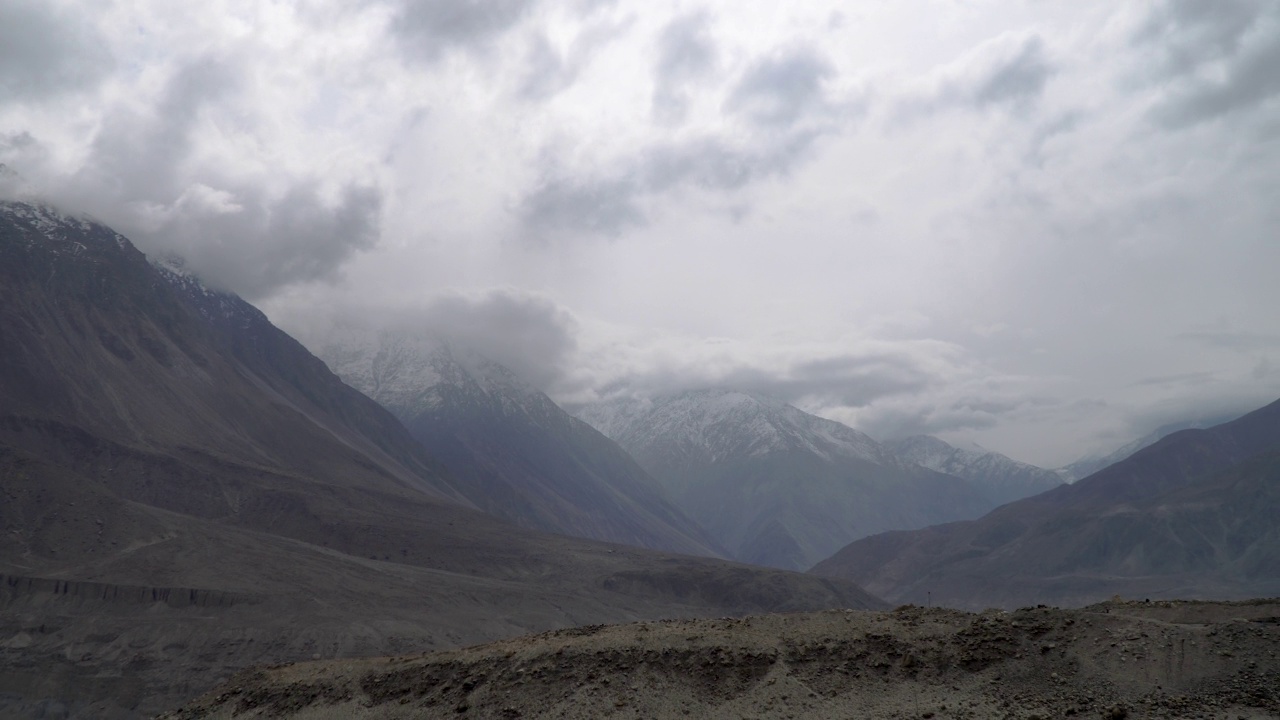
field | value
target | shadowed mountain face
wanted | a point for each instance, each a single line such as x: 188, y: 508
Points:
x: 186, y: 491
x: 774, y: 485
x: 1191, y: 516
x: 516, y: 454
x: 1000, y: 478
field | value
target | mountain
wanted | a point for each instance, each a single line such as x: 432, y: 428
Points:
x: 1190, y: 516
x: 1086, y: 466
x: 187, y: 491
x: 1000, y: 478
x: 515, y: 453
x: 774, y: 485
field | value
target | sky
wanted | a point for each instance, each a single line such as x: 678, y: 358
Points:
x: 1045, y: 227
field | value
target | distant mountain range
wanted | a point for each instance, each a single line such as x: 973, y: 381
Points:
x: 1000, y: 478
x: 1191, y: 516
x: 188, y: 491
x: 774, y: 485
x: 518, y: 456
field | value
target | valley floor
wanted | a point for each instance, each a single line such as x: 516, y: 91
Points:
x: 1113, y: 660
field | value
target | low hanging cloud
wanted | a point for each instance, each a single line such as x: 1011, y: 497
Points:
x: 830, y: 380
x: 47, y: 49
x: 239, y: 231
x: 526, y: 332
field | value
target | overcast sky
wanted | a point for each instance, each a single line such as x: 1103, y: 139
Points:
x: 1046, y: 227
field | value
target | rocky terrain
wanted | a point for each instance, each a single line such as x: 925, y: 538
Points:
x: 1119, y: 659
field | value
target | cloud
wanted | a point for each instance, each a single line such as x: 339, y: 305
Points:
x: 781, y: 89
x: 145, y: 176
x: 599, y: 207
x: 428, y: 30
x: 526, y: 332
x: 1238, y: 340
x: 823, y: 378
x: 609, y: 205
x: 786, y: 111
x: 1009, y: 71
x: 686, y: 53
x: 550, y: 71
x: 46, y: 49
x: 1212, y: 59
x: 254, y: 243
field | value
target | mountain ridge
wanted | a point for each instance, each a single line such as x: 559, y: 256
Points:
x: 774, y: 485
x: 1191, y: 515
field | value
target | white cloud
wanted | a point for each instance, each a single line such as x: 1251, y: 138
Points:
x: 1020, y: 223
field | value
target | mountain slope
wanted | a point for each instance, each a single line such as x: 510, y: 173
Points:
x: 1087, y: 466
x: 1191, y: 516
x: 1002, y: 479
x: 516, y: 454
x: 185, y: 490
x: 774, y: 485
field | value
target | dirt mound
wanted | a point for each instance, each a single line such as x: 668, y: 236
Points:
x: 1114, y: 660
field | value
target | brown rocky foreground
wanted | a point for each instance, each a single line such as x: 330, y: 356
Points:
x: 1121, y: 659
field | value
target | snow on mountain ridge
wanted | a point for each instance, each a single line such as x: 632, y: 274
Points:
x: 409, y: 373
x: 719, y: 423
x: 1003, y: 478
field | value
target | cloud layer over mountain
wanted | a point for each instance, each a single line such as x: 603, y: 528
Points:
x: 1047, y: 227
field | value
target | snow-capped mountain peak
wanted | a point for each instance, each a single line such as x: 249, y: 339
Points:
x: 1003, y: 478
x: 715, y: 423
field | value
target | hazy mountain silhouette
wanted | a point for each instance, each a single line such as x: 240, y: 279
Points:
x: 774, y: 485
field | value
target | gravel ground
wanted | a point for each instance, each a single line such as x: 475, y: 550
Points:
x: 1114, y: 660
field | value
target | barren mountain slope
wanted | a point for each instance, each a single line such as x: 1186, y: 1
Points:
x: 1192, y: 516
x: 514, y: 452
x: 186, y: 491
x: 1118, y: 660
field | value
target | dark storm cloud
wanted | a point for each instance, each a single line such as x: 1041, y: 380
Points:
x: 426, y: 29
x: 45, y: 51
x: 1215, y: 58
x: 685, y: 53
x: 236, y: 233
x: 782, y: 89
